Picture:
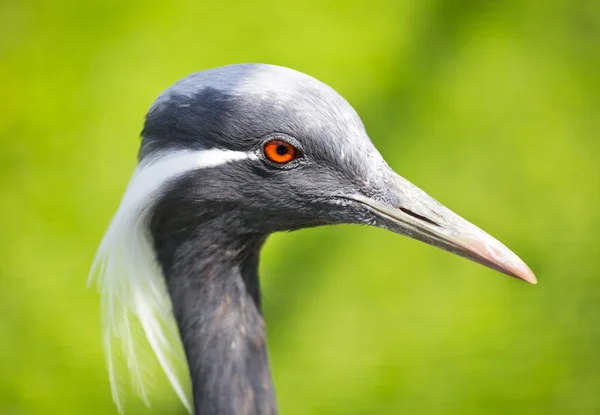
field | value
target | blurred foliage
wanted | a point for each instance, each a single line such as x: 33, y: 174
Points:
x: 493, y: 107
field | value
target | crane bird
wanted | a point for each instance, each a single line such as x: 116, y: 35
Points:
x: 229, y: 156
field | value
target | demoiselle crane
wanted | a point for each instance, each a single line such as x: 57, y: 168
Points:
x: 229, y: 156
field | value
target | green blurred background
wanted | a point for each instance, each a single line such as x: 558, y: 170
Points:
x: 493, y: 107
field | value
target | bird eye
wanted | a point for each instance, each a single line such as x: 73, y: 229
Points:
x: 280, y: 152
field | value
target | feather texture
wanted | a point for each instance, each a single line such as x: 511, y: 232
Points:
x: 130, y: 280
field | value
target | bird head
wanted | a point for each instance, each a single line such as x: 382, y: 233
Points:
x: 261, y: 148
x: 229, y: 156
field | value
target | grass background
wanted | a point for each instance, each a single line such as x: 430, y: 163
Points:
x: 491, y: 107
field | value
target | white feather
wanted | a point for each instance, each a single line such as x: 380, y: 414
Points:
x: 130, y: 280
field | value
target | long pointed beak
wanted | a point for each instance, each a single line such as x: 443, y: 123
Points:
x: 406, y: 209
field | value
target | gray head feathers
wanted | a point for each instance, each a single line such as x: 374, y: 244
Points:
x: 202, y: 156
x: 234, y: 107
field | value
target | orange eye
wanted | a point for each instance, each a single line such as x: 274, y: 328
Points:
x: 280, y: 152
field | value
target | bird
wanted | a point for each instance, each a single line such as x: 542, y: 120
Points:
x: 229, y: 156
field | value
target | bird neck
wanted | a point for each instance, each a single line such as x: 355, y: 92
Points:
x: 214, y: 288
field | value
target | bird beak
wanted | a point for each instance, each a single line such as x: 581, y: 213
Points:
x: 406, y: 209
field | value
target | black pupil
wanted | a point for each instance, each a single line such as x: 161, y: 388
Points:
x: 282, y: 150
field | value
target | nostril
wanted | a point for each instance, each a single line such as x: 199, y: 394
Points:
x: 417, y: 216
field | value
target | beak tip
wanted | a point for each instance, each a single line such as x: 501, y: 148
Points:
x: 528, y: 276
x: 523, y: 272
x: 491, y: 253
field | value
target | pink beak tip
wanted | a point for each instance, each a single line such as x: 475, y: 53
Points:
x: 527, y: 275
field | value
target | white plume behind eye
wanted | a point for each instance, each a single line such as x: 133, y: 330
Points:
x: 130, y: 280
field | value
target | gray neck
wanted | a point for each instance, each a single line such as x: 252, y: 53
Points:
x: 214, y: 288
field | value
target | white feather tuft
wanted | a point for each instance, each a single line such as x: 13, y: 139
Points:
x: 130, y: 280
